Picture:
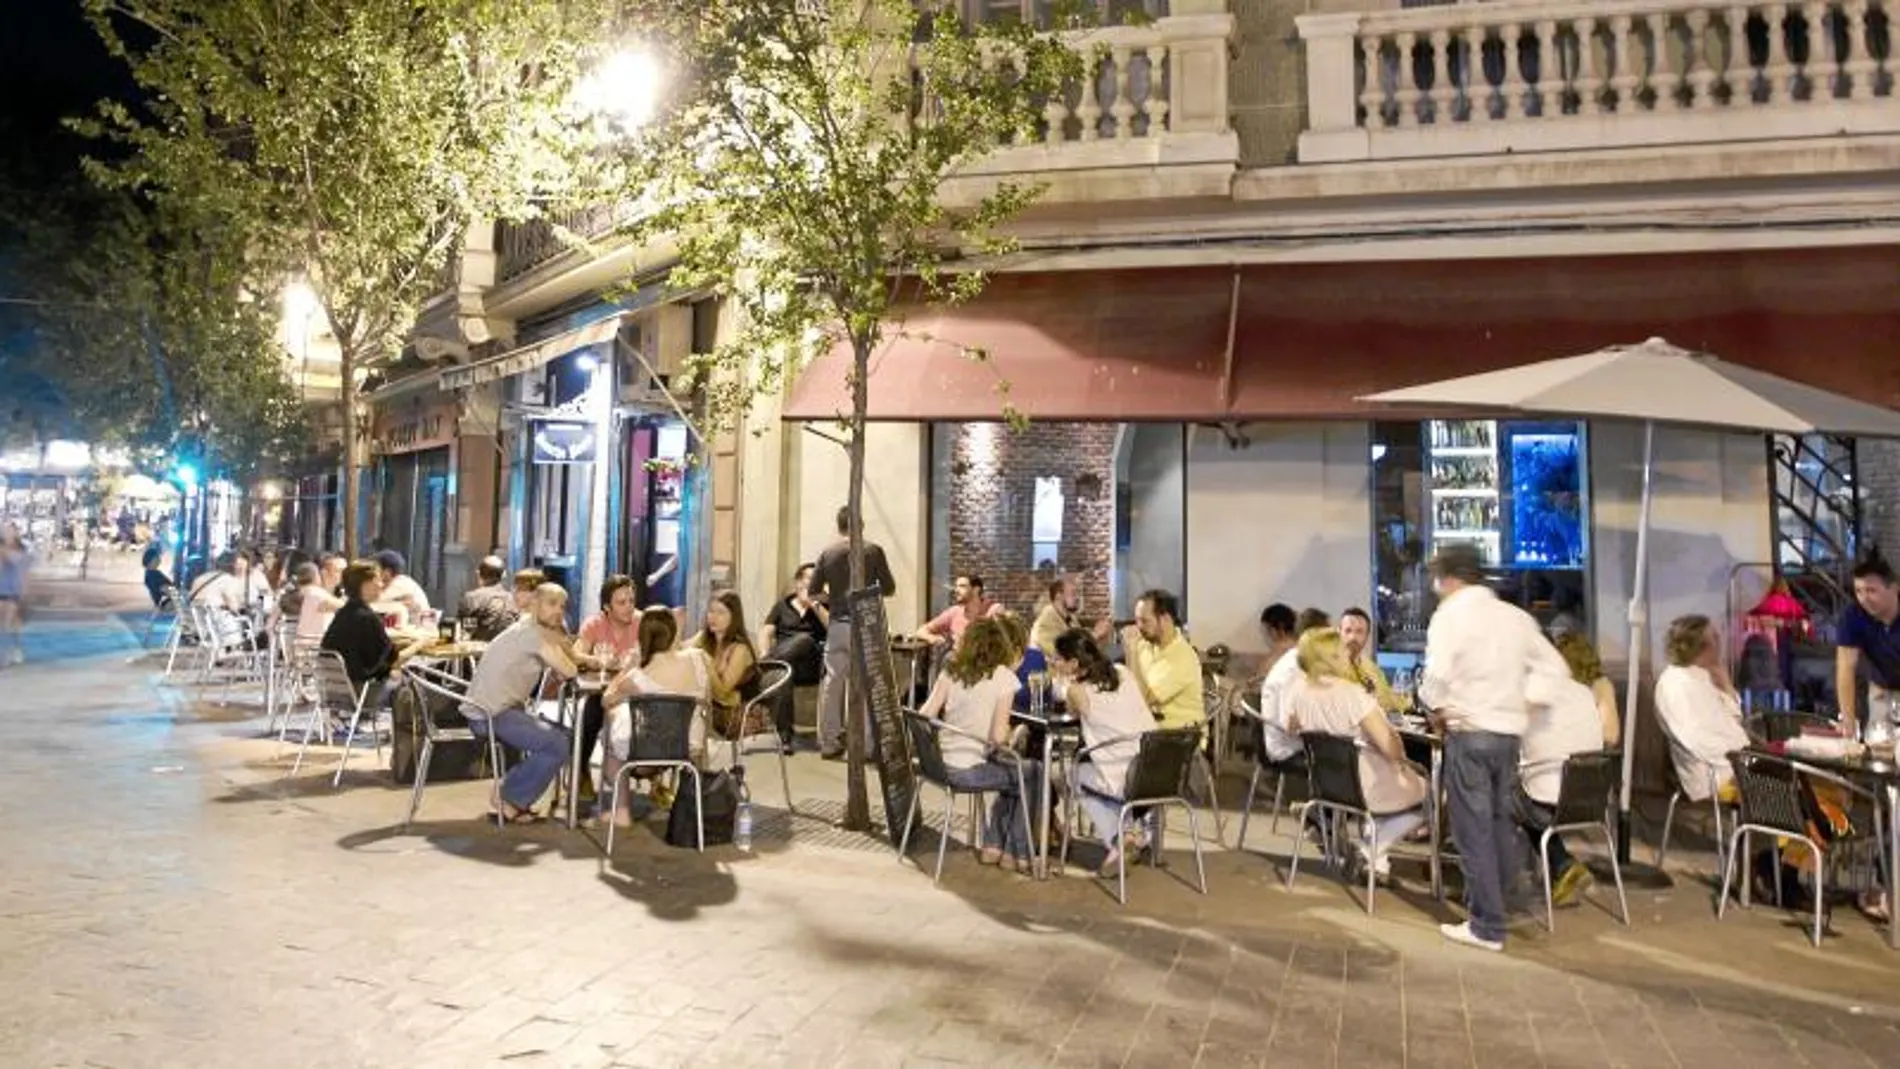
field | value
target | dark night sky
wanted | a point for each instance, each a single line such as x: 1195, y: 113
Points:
x: 52, y: 66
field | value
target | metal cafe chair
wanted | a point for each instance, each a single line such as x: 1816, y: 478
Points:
x: 1586, y: 797
x: 1332, y: 764
x: 1263, y: 766
x: 661, y: 739
x: 185, y: 631
x: 1774, y: 793
x: 1157, y: 778
x: 338, y: 701
x: 774, y: 677
x: 1716, y: 810
x: 926, y: 745
x: 426, y: 682
x: 166, y: 606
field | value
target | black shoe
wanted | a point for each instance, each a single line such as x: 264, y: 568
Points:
x: 832, y: 755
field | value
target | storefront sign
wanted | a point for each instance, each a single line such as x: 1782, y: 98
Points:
x: 413, y: 427
x: 562, y: 441
x: 529, y: 357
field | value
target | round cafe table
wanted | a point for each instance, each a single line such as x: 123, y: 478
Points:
x: 573, y: 704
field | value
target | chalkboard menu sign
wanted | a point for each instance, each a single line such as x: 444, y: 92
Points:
x: 876, y: 686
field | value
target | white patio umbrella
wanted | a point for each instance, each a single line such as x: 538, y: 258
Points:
x: 1655, y: 382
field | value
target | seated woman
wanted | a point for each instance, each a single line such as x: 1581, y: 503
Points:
x: 735, y: 667
x: 1569, y: 715
x: 1111, y: 708
x: 1699, y: 710
x: 661, y: 669
x: 1328, y: 698
x: 973, y: 695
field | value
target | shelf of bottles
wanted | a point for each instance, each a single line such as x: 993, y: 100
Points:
x: 1464, y: 484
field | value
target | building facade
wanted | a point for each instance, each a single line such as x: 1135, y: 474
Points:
x: 1258, y: 212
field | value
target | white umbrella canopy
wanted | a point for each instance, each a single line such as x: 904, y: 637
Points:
x: 1654, y: 382
x: 1662, y: 382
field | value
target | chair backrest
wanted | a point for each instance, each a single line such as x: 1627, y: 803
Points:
x: 1161, y: 764
x: 1332, y: 768
x: 774, y: 676
x: 428, y: 685
x: 927, y: 748
x: 662, y: 727
x: 335, y: 689
x: 1771, y: 791
x: 1782, y: 726
x: 1586, y: 785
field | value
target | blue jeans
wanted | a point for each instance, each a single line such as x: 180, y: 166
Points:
x: 1005, y: 829
x: 544, y: 753
x: 1480, y: 776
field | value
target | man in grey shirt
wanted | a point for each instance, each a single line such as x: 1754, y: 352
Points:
x: 830, y: 582
x: 502, y: 694
x: 489, y: 609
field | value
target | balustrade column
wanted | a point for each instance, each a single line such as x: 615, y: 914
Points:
x: 1861, y: 68
x: 1444, y: 94
x: 1513, y: 87
x: 1154, y: 103
x: 1123, y: 109
x: 1550, y: 71
x: 1820, y: 73
x: 1408, y: 93
x: 1625, y: 79
x: 1738, y: 71
x: 1780, y: 74
x: 1664, y: 79
x: 1372, y: 96
x: 1696, y: 60
x: 1590, y: 96
x: 1089, y: 109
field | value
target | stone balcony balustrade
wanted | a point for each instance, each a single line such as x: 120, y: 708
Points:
x: 1520, y: 76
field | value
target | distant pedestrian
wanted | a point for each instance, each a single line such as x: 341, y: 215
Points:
x: 14, y: 561
x: 830, y: 584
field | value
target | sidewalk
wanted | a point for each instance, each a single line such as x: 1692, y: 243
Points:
x: 198, y: 909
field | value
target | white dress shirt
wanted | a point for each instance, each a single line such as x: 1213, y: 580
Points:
x: 1704, y: 726
x: 1479, y: 654
x: 409, y: 592
x: 1279, y: 681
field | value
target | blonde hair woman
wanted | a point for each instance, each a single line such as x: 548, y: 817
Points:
x: 1328, y: 698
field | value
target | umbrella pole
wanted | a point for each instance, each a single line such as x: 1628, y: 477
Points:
x: 1639, y: 620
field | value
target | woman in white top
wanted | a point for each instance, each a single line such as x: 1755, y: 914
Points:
x: 1111, y: 708
x: 1569, y: 714
x: 1328, y: 698
x: 974, y: 695
x: 661, y: 669
x: 1699, y: 710
x: 320, y: 601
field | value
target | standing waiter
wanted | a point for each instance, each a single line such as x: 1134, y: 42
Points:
x: 830, y: 582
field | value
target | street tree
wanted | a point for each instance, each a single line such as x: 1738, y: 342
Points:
x: 351, y: 143
x: 797, y: 166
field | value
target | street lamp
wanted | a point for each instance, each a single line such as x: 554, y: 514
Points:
x: 625, y: 89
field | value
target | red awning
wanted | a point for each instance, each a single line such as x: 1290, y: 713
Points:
x: 1310, y: 338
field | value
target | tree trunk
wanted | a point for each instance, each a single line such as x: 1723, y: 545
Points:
x: 347, y: 492
x: 857, y: 806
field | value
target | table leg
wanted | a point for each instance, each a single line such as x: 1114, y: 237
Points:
x: 568, y: 704
x: 1438, y: 824
x: 1893, y: 863
x: 1048, y: 755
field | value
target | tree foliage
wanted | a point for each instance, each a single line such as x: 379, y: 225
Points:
x: 351, y: 143
x: 133, y: 330
x: 799, y: 168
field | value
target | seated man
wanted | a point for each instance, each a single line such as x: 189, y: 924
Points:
x: 1285, y: 630
x: 971, y: 606
x: 1699, y: 710
x: 399, y: 587
x: 156, y: 581
x: 489, y: 609
x: 501, y: 696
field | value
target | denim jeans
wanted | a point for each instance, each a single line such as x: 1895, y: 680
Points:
x: 1005, y: 828
x: 1480, y: 774
x: 544, y: 752
x: 1534, y: 816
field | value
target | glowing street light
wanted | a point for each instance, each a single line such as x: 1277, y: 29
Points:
x: 625, y: 88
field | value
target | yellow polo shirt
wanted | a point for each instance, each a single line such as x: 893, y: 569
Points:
x: 1173, y: 673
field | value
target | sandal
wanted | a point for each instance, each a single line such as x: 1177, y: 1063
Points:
x: 1874, y: 905
x: 510, y: 815
x: 989, y: 855
x: 1108, y: 869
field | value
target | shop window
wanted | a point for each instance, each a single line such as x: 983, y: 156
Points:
x: 1515, y: 491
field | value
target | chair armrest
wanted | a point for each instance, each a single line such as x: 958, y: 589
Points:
x: 1110, y: 741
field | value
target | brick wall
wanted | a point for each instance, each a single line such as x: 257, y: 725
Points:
x: 992, y: 497
x: 1878, y: 462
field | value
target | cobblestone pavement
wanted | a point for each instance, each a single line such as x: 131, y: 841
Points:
x: 169, y: 900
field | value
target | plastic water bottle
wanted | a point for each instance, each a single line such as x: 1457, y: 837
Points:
x: 742, y: 826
